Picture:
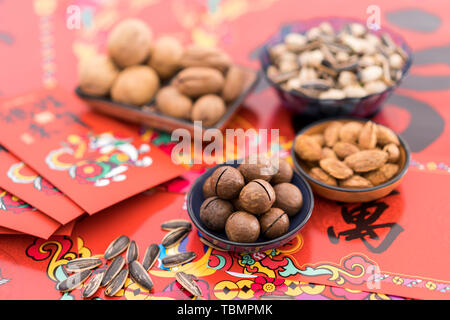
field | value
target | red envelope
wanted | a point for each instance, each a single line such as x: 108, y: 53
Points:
x: 19, y: 179
x: 94, y: 160
x: 20, y: 216
x: 65, y: 230
x: 30, y: 267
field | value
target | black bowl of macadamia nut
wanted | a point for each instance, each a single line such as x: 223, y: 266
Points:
x: 334, y: 67
x: 250, y: 205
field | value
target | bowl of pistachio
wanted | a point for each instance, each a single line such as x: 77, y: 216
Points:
x: 334, y: 67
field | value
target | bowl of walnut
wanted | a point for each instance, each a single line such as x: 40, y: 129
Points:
x: 350, y: 160
x: 334, y: 67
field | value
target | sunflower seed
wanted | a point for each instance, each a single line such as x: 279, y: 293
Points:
x: 113, y: 270
x: 117, y: 283
x: 92, y: 286
x: 81, y: 264
x: 73, y: 281
x: 117, y: 247
x: 174, y: 237
x: 175, y: 224
x: 150, y: 256
x: 276, y: 297
x: 187, y: 281
x: 132, y: 252
x: 140, y: 275
x: 178, y: 259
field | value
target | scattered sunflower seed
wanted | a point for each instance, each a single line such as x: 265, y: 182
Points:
x: 117, y: 283
x: 73, y: 281
x: 92, y: 286
x: 178, y: 259
x: 174, y: 237
x: 117, y: 247
x: 113, y: 270
x: 150, y: 256
x: 140, y: 275
x: 132, y: 252
x: 187, y: 281
x: 175, y: 224
x: 81, y: 264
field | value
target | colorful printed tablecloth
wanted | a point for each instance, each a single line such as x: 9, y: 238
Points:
x: 394, y: 247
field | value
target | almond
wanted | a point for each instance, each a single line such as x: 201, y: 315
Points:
x: 368, y: 136
x: 355, y: 182
x: 336, y: 168
x: 331, y: 133
x: 344, y: 149
x: 328, y: 153
x: 350, y: 131
x: 386, y: 135
x: 383, y: 174
x: 366, y: 160
x: 322, y: 176
x: 393, y: 152
x: 319, y: 138
x: 307, y: 148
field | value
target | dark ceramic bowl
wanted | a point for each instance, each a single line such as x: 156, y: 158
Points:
x: 320, y: 108
x: 346, y: 194
x: 219, y: 239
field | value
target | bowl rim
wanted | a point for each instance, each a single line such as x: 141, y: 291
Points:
x: 202, y: 230
x: 266, y: 46
x: 327, y: 186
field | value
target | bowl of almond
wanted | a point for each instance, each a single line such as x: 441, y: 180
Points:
x: 350, y: 160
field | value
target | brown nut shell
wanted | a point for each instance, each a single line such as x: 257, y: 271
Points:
x: 355, y: 182
x: 209, y: 109
x: 208, y: 190
x: 366, y: 160
x: 336, y: 168
x: 257, y: 196
x: 386, y: 135
x: 227, y: 182
x: 344, y: 149
x: 328, y: 153
x: 242, y: 227
x: 274, y: 223
x: 173, y: 103
x: 234, y: 84
x: 284, y: 174
x: 383, y: 174
x: 197, y: 56
x: 288, y: 197
x: 393, y: 152
x: 331, y: 133
x: 350, y: 131
x: 214, y: 213
x: 368, y: 136
x: 307, y: 148
x: 322, y: 176
x: 198, y: 81
x: 166, y: 56
x: 257, y: 166
x: 130, y: 42
x: 135, y: 85
x: 97, y: 75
